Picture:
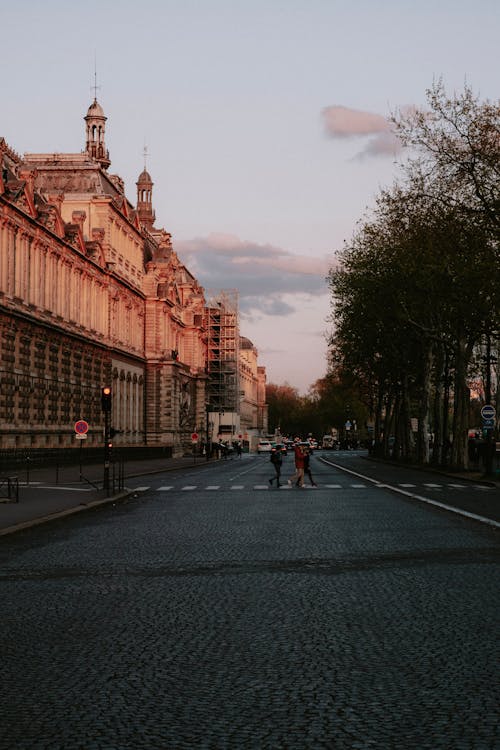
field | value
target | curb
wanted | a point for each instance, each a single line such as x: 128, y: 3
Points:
x: 62, y: 513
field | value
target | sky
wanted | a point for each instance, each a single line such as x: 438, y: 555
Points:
x: 265, y: 124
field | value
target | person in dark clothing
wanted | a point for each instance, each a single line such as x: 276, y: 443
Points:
x: 276, y: 460
x: 307, y: 468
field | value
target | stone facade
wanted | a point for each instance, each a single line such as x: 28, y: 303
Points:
x: 93, y: 294
x: 253, y: 408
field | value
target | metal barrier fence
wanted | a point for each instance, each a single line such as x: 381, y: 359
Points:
x: 117, y: 480
x: 9, y: 489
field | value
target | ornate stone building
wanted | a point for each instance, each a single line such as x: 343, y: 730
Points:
x: 92, y: 294
x: 253, y: 407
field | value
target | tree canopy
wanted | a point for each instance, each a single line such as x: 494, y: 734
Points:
x: 417, y: 291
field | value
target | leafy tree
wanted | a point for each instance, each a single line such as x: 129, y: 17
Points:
x: 284, y: 407
x: 418, y: 286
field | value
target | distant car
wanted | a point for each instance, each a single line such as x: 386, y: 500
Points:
x: 264, y: 446
x: 280, y: 447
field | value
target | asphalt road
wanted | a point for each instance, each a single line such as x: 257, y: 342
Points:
x: 211, y: 611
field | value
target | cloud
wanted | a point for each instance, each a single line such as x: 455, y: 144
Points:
x: 262, y: 274
x: 342, y: 122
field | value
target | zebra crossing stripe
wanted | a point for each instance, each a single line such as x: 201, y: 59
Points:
x: 212, y: 487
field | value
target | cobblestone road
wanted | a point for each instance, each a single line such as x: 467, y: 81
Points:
x: 323, y: 618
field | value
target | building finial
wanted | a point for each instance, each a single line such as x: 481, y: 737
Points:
x: 145, y: 153
x: 95, y: 86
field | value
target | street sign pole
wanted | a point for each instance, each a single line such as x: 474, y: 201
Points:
x: 194, y: 441
x: 488, y: 413
x: 107, y: 456
x: 81, y: 429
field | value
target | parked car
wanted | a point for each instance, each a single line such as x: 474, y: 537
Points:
x: 264, y: 446
x: 280, y: 447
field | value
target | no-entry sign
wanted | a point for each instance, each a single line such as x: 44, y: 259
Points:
x: 194, y: 437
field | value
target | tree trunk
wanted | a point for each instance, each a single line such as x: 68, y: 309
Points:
x: 437, y: 409
x: 424, y: 407
x: 459, y: 455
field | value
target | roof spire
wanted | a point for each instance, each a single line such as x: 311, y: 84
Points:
x: 95, y: 86
x: 145, y: 194
x: 95, y: 128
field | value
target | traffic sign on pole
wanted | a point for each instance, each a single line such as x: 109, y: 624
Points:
x: 194, y: 437
x: 81, y: 427
x: 488, y: 411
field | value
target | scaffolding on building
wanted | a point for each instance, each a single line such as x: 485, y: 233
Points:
x: 223, y: 344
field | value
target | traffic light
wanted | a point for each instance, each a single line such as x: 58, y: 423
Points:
x: 106, y: 398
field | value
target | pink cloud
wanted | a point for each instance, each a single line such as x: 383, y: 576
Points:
x: 342, y: 122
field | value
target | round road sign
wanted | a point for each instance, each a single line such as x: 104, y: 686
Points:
x: 194, y: 437
x: 81, y: 427
x: 488, y: 411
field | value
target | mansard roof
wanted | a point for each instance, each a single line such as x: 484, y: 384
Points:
x: 246, y: 343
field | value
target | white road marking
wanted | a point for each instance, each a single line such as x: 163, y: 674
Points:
x: 407, y: 485
x: 59, y: 487
x: 413, y: 496
x: 240, y: 473
x: 261, y: 486
x: 164, y: 489
x: 140, y: 489
x: 358, y: 486
x: 433, y: 486
x: 213, y: 487
x: 189, y: 487
x: 237, y: 487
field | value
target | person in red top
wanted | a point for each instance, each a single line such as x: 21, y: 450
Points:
x: 298, y: 477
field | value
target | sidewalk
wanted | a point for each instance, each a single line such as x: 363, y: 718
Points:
x: 50, y: 493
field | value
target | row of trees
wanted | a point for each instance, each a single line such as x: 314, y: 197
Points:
x: 416, y: 296
x: 330, y: 403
